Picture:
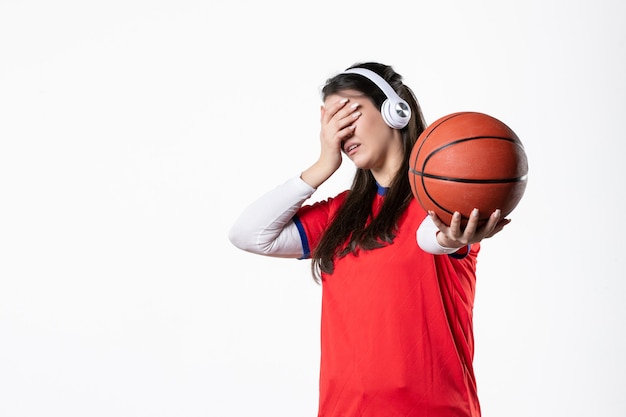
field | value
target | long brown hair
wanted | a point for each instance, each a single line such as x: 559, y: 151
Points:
x: 350, y: 230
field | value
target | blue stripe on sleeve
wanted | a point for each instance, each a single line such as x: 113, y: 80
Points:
x: 305, y: 242
x: 456, y: 255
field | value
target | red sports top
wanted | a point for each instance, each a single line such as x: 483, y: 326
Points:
x: 396, y: 326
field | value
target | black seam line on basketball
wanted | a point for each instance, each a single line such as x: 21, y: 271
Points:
x: 433, y: 128
x: 468, y: 180
x: 441, y: 148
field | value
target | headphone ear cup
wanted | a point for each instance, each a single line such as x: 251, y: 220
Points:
x: 395, y: 111
x: 384, y: 111
x: 389, y: 111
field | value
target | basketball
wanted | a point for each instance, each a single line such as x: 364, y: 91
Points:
x: 468, y: 160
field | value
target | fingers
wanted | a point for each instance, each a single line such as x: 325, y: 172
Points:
x: 341, y: 114
x: 455, y: 226
x: 472, y: 224
x: 437, y: 221
x: 449, y: 236
x: 494, y: 224
x: 491, y: 224
x: 456, y: 235
x: 337, y: 126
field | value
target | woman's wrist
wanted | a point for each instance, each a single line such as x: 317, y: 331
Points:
x: 317, y: 173
x: 446, y: 243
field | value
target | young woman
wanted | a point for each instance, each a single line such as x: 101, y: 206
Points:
x: 398, y: 284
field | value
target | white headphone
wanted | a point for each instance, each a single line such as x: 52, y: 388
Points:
x: 395, y: 111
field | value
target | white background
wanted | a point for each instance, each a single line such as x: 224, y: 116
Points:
x: 132, y: 133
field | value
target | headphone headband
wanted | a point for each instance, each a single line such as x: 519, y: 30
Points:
x: 395, y: 111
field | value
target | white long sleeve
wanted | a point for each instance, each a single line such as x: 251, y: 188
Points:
x: 266, y: 227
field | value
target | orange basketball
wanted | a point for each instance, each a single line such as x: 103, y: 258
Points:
x: 468, y: 160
